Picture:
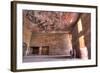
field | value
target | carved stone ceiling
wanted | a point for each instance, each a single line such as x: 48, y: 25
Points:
x: 50, y: 21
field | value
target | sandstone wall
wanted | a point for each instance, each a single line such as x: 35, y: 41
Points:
x: 58, y: 43
x: 86, y: 32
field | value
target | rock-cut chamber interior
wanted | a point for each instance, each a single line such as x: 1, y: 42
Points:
x: 56, y: 34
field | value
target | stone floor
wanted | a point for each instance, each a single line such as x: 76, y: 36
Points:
x: 43, y: 58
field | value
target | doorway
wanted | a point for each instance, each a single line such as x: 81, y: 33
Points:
x: 35, y: 50
x: 44, y: 50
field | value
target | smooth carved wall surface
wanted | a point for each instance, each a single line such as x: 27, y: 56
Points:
x: 58, y: 43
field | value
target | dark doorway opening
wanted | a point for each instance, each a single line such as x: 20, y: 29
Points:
x: 45, y: 50
x: 35, y: 50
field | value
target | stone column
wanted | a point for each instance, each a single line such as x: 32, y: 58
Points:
x: 40, y: 50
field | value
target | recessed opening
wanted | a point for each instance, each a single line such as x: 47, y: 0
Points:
x: 38, y: 50
x: 35, y: 50
x: 45, y: 50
